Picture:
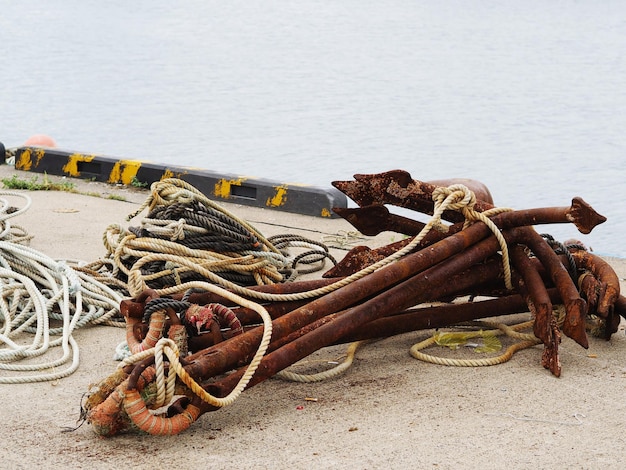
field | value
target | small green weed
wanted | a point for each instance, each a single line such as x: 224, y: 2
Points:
x: 34, y: 185
x: 135, y: 183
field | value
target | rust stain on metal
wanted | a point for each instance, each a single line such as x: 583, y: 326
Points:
x: 465, y: 261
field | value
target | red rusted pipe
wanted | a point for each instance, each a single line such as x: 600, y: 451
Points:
x: 433, y: 283
x: 214, y: 361
x: 422, y: 318
x: 531, y: 287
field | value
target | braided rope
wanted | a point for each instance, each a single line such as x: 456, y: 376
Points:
x: 222, y: 231
x: 173, y: 190
x: 165, y: 386
x: 462, y: 199
x: 167, y: 347
x: 8, y: 232
x: 561, y: 248
x: 327, y: 374
x: 35, y: 289
x: 527, y: 341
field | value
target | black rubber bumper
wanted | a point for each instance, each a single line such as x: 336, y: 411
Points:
x: 288, y: 197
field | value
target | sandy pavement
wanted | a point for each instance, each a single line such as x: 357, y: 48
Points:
x: 388, y: 411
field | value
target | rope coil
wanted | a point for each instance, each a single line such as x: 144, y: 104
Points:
x: 526, y: 341
x: 37, y: 293
x: 186, y: 237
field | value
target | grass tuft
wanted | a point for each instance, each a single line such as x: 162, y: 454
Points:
x: 34, y: 185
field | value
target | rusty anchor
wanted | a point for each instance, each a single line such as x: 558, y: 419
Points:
x: 374, y: 219
x: 460, y: 262
x: 398, y: 188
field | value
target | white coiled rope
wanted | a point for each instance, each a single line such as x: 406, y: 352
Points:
x: 40, y: 298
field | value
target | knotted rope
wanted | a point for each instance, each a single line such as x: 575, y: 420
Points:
x: 169, y: 348
x: 187, y: 237
x: 458, y: 197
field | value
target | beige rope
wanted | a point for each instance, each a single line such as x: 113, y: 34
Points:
x: 174, y: 190
x: 464, y: 200
x: 170, y: 349
x: 327, y: 374
x: 527, y: 341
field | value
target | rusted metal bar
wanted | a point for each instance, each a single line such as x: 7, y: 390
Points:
x: 604, y: 273
x: 613, y: 319
x: 575, y: 306
x: 247, y: 316
x: 399, y: 189
x: 214, y: 360
x: 620, y: 306
x: 362, y: 256
x: 532, y: 288
x: 440, y: 316
x: 600, y: 286
x: 581, y: 214
x: 134, y: 308
x: 386, y: 186
x: 374, y: 219
x: 480, y: 190
x: 433, y: 283
x: 478, y: 275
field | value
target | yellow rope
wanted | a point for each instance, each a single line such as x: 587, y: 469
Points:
x: 527, y: 341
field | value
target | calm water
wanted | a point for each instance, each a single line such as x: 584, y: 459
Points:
x: 528, y: 97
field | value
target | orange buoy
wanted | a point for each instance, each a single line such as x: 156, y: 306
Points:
x: 40, y: 140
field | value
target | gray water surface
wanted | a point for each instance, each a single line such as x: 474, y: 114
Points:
x: 528, y: 97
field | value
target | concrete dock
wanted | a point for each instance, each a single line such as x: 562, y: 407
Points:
x: 387, y: 411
